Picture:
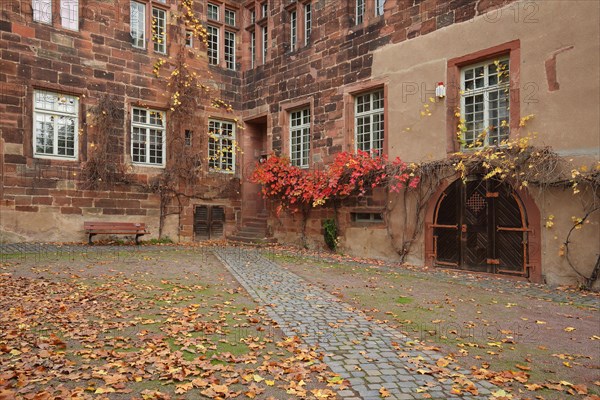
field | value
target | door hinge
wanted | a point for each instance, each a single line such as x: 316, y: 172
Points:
x: 494, y: 261
x: 491, y: 194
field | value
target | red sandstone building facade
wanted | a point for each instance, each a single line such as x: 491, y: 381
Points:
x: 305, y: 79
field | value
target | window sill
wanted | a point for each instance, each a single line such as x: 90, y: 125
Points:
x: 56, y: 158
x: 469, y: 150
x: 216, y: 171
x: 143, y: 165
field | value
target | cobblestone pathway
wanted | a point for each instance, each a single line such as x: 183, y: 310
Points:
x: 369, y: 355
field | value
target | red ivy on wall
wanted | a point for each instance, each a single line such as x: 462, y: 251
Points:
x: 349, y: 175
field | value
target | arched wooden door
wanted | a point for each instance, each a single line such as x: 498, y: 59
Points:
x: 481, y: 225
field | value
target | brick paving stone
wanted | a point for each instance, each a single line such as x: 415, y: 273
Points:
x: 302, y: 309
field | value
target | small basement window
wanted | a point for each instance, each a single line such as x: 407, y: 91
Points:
x: 372, y: 217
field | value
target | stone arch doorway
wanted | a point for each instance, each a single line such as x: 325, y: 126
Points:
x: 485, y: 226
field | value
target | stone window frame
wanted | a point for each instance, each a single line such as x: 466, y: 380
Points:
x: 230, y: 17
x: 255, y: 24
x: 213, y: 56
x: 370, y: 114
x: 159, y: 41
x: 189, y: 38
x: 134, y: 41
x: 47, y: 10
x: 233, y: 138
x: 211, y: 8
x: 375, y: 217
x: 148, y: 18
x: 229, y: 52
x: 222, y: 25
x: 253, y: 47
x: 350, y: 92
x: 365, y: 12
x: 485, y: 92
x: 510, y: 50
x: 293, y: 14
x: 148, y: 126
x: 286, y: 108
x: 55, y: 113
x: 308, y: 20
x: 299, y: 37
x: 300, y: 129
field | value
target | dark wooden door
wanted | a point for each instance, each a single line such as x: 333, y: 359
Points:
x: 481, y: 226
x: 475, y: 223
x: 511, y: 232
x: 446, y: 229
x: 209, y: 222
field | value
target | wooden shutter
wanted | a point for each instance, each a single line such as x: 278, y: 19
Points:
x: 209, y: 222
x: 217, y: 223
x: 201, y: 223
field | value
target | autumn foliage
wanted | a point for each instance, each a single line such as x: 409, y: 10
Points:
x: 349, y: 175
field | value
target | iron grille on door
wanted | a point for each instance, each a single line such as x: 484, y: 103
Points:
x: 481, y: 226
x: 209, y: 222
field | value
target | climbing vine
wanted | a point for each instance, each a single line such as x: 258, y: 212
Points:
x: 188, y: 91
x: 103, y: 167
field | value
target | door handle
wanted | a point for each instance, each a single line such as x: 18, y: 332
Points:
x: 464, y: 228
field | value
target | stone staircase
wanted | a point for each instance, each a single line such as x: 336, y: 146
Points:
x: 253, y: 230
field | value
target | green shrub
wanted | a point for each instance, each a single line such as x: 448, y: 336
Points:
x: 330, y: 233
x: 162, y: 240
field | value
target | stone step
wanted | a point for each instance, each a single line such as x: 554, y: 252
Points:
x: 255, y: 224
x: 253, y: 231
x: 244, y: 239
x: 254, y: 220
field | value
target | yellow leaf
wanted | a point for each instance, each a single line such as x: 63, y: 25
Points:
x: 501, y: 393
x: 533, y: 386
x: 258, y: 378
x: 270, y: 383
x: 442, y: 362
x: 104, y: 390
x: 383, y: 392
x: 569, y: 329
x: 540, y: 322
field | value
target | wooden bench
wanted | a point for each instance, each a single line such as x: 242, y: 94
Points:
x: 115, y: 228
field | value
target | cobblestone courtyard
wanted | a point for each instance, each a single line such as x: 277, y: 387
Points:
x: 375, y: 359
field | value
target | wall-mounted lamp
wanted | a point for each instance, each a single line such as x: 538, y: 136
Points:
x: 440, y: 90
